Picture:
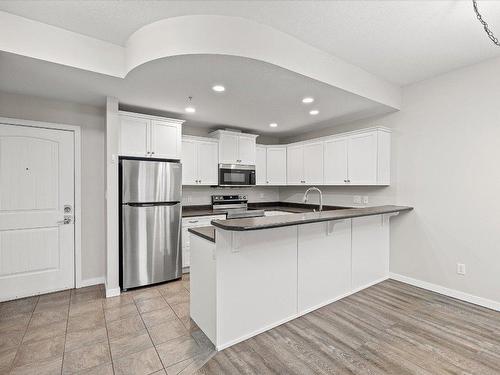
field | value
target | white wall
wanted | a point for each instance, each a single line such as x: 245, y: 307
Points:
x: 446, y: 154
x: 91, y: 121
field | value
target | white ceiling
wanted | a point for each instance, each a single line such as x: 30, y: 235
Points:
x: 256, y: 94
x: 401, y: 41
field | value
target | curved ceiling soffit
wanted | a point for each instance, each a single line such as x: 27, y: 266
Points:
x: 236, y: 36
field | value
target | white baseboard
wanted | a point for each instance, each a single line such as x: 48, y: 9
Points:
x: 90, y: 282
x: 484, y: 302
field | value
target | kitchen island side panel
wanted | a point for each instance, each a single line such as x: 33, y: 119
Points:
x: 256, y: 282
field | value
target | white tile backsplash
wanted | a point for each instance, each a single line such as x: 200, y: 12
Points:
x: 197, y: 195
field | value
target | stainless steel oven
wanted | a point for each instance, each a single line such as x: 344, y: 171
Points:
x: 236, y: 175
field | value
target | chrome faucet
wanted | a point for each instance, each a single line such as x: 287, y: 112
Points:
x: 320, y: 197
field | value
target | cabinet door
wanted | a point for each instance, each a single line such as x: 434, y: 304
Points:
x: 165, y: 140
x: 313, y: 163
x: 335, y: 161
x: 276, y: 165
x: 228, y: 149
x: 246, y: 150
x: 362, y: 159
x: 185, y: 247
x: 189, y: 163
x: 260, y: 166
x: 370, y: 250
x: 208, y: 156
x: 134, y: 134
x: 295, y: 165
x: 324, y: 263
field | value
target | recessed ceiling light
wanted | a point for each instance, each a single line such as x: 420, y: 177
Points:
x: 273, y: 125
x: 308, y: 100
x: 219, y: 88
x: 314, y: 112
x: 190, y: 109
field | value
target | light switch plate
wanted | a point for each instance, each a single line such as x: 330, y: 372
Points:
x: 365, y: 199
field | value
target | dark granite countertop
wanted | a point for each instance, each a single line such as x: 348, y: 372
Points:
x: 255, y: 223
x: 207, y: 232
x: 206, y: 210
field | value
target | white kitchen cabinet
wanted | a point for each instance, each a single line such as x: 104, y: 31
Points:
x: 295, y: 165
x: 235, y: 147
x: 358, y: 158
x: 305, y: 164
x: 199, y: 161
x: 149, y: 136
x: 276, y: 165
x: 362, y: 159
x: 270, y: 166
x: 189, y: 162
x: 134, y: 136
x: 335, y: 162
x: 313, y: 163
x: 261, y: 165
x: 370, y: 250
x: 324, y: 263
x: 193, y: 222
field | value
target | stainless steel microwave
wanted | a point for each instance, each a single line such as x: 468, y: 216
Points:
x: 236, y: 175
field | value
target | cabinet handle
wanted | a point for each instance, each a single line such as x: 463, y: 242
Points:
x: 192, y: 221
x: 199, y: 181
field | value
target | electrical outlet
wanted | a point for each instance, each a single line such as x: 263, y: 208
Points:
x: 357, y: 199
x: 461, y: 268
x: 365, y: 199
x: 189, y: 198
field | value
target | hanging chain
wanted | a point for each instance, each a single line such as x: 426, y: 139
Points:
x: 493, y: 38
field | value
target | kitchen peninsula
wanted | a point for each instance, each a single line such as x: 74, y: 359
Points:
x: 249, y: 275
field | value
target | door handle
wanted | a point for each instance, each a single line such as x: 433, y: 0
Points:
x: 67, y: 220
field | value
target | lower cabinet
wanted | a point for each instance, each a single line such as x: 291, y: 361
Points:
x: 370, y: 250
x: 340, y: 257
x: 324, y: 263
x: 193, y: 222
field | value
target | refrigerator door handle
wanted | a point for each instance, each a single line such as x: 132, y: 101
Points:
x: 151, y: 204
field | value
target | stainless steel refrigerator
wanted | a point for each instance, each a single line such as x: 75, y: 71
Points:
x: 150, y: 240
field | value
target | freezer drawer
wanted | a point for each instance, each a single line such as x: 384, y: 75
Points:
x: 151, y: 181
x: 151, y: 244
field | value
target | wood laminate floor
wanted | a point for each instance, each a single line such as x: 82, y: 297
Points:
x: 390, y: 328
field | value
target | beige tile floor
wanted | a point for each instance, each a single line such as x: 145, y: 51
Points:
x: 145, y: 331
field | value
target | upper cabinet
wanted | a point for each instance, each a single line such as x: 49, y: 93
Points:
x: 270, y: 166
x: 235, y: 147
x: 305, y: 163
x: 261, y: 165
x: 358, y: 158
x: 149, y: 136
x: 199, y: 161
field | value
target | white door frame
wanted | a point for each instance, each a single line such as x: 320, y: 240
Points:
x: 78, y: 184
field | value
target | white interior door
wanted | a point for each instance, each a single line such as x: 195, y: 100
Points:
x: 36, y: 184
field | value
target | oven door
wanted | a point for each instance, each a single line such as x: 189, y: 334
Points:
x: 236, y: 175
